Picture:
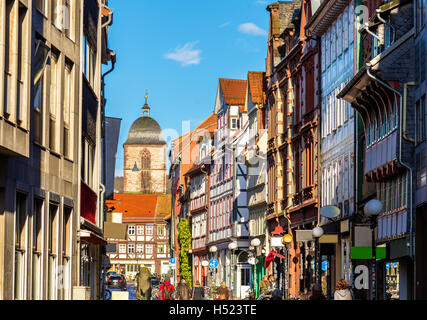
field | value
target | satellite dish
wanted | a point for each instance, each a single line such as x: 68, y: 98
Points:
x: 330, y: 212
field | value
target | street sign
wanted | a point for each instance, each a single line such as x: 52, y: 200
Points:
x: 325, y: 265
x: 213, y: 264
x: 172, y: 260
x: 330, y: 212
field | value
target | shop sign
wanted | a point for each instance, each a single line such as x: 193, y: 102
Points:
x: 276, y: 242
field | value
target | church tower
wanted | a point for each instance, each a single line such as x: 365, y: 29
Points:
x: 145, y: 156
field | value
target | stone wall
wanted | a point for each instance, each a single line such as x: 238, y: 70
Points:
x: 133, y: 181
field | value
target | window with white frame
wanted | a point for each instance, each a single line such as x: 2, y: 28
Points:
x: 131, y: 248
x: 140, y: 248
x: 131, y: 230
x: 161, y: 249
x: 122, y: 248
x: 149, y: 230
x: 149, y: 249
x: 140, y: 230
x: 160, y: 231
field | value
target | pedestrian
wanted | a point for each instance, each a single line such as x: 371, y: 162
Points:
x: 343, y: 291
x: 316, y: 292
x: 277, y: 295
x: 183, y: 291
x: 263, y: 286
x: 223, y: 292
x: 272, y: 282
x: 166, y: 290
x: 198, y: 292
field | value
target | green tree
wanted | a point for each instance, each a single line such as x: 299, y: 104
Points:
x: 184, y: 241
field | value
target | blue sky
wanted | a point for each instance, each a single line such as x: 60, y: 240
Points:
x: 177, y: 50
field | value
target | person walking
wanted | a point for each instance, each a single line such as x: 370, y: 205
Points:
x: 166, y: 290
x: 263, y: 286
x: 343, y: 291
x: 198, y: 292
x: 183, y: 290
x: 277, y: 295
x: 223, y: 292
x: 316, y: 292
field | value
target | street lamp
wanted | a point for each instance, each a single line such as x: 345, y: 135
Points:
x: 286, y: 241
x: 135, y: 168
x: 205, y: 263
x: 213, y: 250
x: 372, y: 210
x: 232, y: 246
x: 255, y: 243
x: 317, y: 233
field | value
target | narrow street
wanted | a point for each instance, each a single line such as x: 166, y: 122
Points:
x: 226, y: 150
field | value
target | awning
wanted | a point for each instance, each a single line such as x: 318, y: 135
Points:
x: 91, y: 238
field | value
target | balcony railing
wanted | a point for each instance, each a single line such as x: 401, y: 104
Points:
x: 297, y: 199
x: 307, y: 193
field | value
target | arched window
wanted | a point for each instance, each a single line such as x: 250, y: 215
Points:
x: 146, y: 181
x: 145, y: 160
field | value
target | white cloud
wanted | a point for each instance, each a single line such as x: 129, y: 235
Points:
x: 252, y: 29
x: 186, y: 54
x: 224, y: 24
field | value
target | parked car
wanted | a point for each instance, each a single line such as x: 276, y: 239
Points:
x: 117, y: 281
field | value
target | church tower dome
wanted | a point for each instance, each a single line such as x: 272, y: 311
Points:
x: 145, y: 130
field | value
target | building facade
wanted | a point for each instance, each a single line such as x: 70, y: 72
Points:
x: 420, y: 185
x: 229, y: 105
x: 256, y: 157
x: 382, y: 92
x: 43, y: 118
x: 334, y: 25
x: 144, y: 204
x: 147, y: 241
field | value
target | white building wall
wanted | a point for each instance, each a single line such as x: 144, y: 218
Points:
x: 337, y: 68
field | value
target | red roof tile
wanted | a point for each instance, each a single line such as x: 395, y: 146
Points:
x: 255, y: 80
x: 234, y: 91
x: 140, y: 206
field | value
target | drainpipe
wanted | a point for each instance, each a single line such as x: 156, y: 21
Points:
x: 110, y: 16
x: 409, y: 185
x: 387, y: 23
x: 366, y: 28
x: 101, y: 222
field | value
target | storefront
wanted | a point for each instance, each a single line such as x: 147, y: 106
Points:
x: 392, y: 280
